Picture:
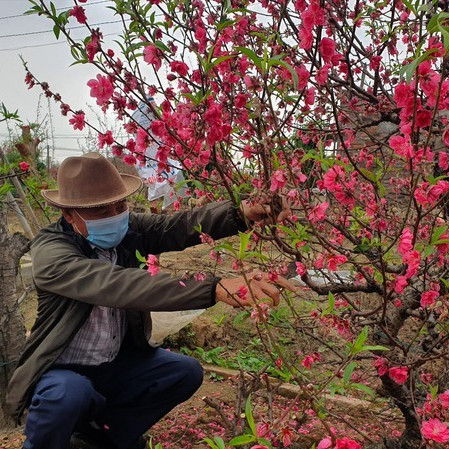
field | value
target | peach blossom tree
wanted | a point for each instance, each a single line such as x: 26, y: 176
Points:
x: 341, y: 108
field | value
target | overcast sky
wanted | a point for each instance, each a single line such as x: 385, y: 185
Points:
x: 49, y: 60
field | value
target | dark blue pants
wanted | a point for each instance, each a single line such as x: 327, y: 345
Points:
x: 124, y: 397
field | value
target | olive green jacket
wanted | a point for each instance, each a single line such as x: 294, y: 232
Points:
x: 70, y: 280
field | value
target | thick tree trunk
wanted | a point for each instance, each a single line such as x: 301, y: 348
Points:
x: 411, y: 437
x: 12, y: 329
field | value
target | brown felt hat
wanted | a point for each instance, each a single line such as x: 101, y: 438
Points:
x: 90, y: 180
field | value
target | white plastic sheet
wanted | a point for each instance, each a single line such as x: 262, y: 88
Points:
x: 168, y: 323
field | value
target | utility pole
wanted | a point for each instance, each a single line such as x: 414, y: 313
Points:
x: 48, y: 155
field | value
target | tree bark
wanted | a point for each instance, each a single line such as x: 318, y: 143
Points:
x: 12, y: 329
x: 411, y: 437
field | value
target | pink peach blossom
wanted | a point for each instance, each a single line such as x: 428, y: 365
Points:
x: 101, y: 89
x: 435, y: 430
x: 444, y: 399
x: 24, y: 166
x: 398, y: 374
x: 300, y: 268
x: 181, y: 68
x: 405, y: 241
x: 105, y: 139
x: 152, y: 264
x: 152, y: 55
x: 79, y: 13
x: 428, y: 298
x: 443, y: 160
x: 381, y: 364
x: 347, y: 443
x: 278, y: 180
x: 327, y: 49
x: 77, y: 121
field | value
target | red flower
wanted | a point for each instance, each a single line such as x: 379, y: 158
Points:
x: 286, y: 436
x: 327, y: 49
x: 435, y: 430
x: 152, y: 55
x: 129, y: 159
x: 242, y: 293
x: 443, y: 160
x: 428, y: 298
x: 240, y: 101
x: 152, y: 264
x: 179, y: 67
x: 24, y: 166
x: 261, y: 312
x: 79, y: 13
x: 105, y: 139
x: 398, y: 374
x: 101, y: 89
x: 406, y: 242
x: 346, y: 443
x: 158, y: 128
x: 278, y: 180
x: 300, y: 268
x: 382, y: 365
x: 77, y: 121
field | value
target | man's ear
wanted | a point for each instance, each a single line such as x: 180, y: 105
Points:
x: 68, y: 215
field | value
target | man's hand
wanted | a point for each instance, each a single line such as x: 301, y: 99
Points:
x: 261, y: 211
x: 260, y: 287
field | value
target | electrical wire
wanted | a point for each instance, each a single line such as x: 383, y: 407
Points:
x: 32, y: 33
x: 46, y: 45
x: 57, y: 9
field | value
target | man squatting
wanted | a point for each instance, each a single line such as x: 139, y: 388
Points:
x: 87, y: 369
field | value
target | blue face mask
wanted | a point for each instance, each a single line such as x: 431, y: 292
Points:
x: 108, y: 232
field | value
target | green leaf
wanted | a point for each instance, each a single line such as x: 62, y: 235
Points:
x: 252, y: 56
x: 56, y: 31
x: 364, y: 388
x: 225, y: 24
x: 242, y: 439
x: 5, y: 188
x: 214, y: 444
x: 249, y: 416
x: 437, y: 234
x: 265, y: 442
x: 427, y: 251
x: 348, y: 372
x: 331, y: 307
x: 275, y: 62
x: 374, y: 348
x: 217, y: 61
x: 409, y: 6
x: 36, y: 9
x: 244, y: 242
x: 360, y: 340
x: 433, y: 25
x: 225, y: 246
x: 445, y: 35
x: 371, y: 176
x: 139, y: 256
x: 433, y: 391
x: 53, y: 9
x: 161, y: 46
x: 409, y: 69
x: 257, y: 255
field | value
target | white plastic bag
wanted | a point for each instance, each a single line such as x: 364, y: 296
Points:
x: 168, y: 323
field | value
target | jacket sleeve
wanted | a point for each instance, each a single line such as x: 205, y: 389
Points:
x: 60, y: 268
x: 164, y: 233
